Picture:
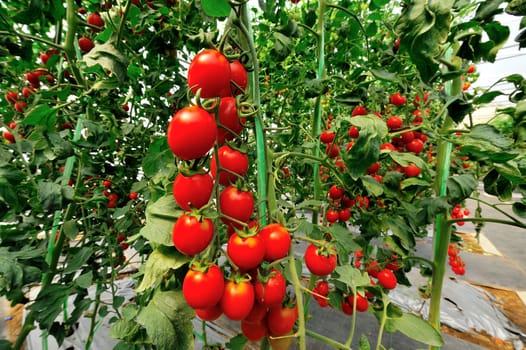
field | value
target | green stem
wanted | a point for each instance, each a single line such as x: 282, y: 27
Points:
x: 93, y: 322
x: 318, y: 110
x: 326, y: 340
x: 492, y: 220
x: 442, y: 226
x: 382, y: 323
x: 261, y: 151
x: 299, y: 300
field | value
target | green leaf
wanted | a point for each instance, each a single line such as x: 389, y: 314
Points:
x: 459, y: 187
x: 48, y: 304
x: 488, y: 9
x: 49, y: 195
x: 516, y: 8
x: 173, y: 304
x: 159, y: 160
x: 401, y: 230
x: 41, y: 115
x: 373, y: 187
x: 164, y: 333
x: 484, y: 142
x: 237, y: 343
x: 85, y: 280
x: 385, y: 75
x: 70, y: 229
x: 282, y: 46
x: 216, y: 8
x: 406, y: 158
x: 519, y: 209
x: 161, y: 262
x: 458, y: 109
x: 352, y: 276
x: 124, y: 329
x: 418, y: 329
x: 344, y: 238
x: 77, y: 260
x: 414, y: 181
x: 109, y: 58
x: 487, y: 97
x: 160, y: 218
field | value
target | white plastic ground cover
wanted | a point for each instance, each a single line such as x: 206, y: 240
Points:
x: 464, y: 307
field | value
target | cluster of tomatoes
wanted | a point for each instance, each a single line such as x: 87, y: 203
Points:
x: 341, y: 205
x: 247, y: 287
x: 96, y: 23
x: 455, y: 260
x: 458, y: 213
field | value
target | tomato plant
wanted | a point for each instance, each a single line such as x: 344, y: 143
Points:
x: 157, y: 131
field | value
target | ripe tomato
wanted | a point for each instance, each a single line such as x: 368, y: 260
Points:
x: 336, y: 192
x: 237, y: 300
x: 362, y: 304
x: 11, y: 97
x: 8, y: 136
x: 236, y: 204
x: 332, y: 215
x: 359, y: 110
x: 210, y: 72
x: 271, y: 289
x: 95, y: 20
x: 354, y: 132
x: 194, y: 190
x: 398, y: 99
x: 394, y: 122
x: 190, y: 235
x: 387, y: 279
x: 277, y: 241
x: 281, y: 319
x: 209, y: 314
x: 191, y: 133
x: 229, y: 124
x: 254, y: 331
x: 327, y: 136
x: 246, y: 253
x: 203, y: 289
x: 412, y: 170
x: 238, y: 77
x: 258, y: 312
x: 20, y: 106
x: 416, y: 146
x: 332, y: 150
x: 85, y: 44
x: 345, y: 214
x: 471, y: 69
x: 232, y: 161
x: 318, y: 262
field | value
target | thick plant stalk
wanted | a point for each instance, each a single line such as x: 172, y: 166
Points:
x: 442, y: 225
x: 316, y: 123
x: 261, y: 151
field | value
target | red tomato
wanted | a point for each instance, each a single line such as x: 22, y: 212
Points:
x: 246, y: 253
x: 20, y: 106
x: 412, y: 170
x: 332, y: 150
x: 191, y: 133
x: 95, y: 20
x: 332, y: 215
x: 281, y: 319
x: 229, y: 125
x: 194, y: 190
x: 11, y: 97
x: 327, y: 136
x: 258, y: 312
x: 237, y: 300
x: 271, y: 290
x: 359, y: 110
x: 209, y: 314
x: 254, y: 331
x: 471, y: 69
x: 190, y: 235
x: 203, y: 290
x: 236, y: 204
x: 319, y: 263
x: 416, y: 146
x: 210, y: 72
x: 361, y: 303
x: 394, y: 122
x: 232, y: 161
x: 397, y: 99
x: 277, y: 241
x: 354, y: 132
x: 8, y: 136
x: 238, y: 77
x: 345, y: 214
x: 85, y: 44
x: 387, y: 279
x: 336, y: 192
